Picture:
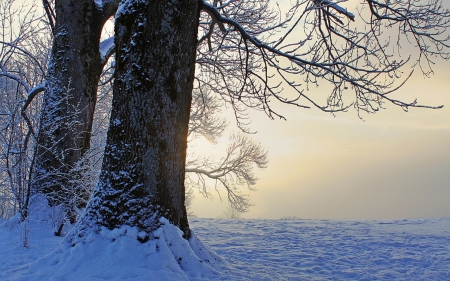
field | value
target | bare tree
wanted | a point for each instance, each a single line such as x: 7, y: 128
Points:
x: 63, y: 134
x: 233, y: 170
x: 70, y: 92
x: 58, y: 142
x: 236, y: 166
x: 23, y: 61
x: 81, y: 176
x: 230, y: 213
x: 143, y: 169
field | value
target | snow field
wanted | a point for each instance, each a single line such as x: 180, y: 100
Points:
x: 416, y: 249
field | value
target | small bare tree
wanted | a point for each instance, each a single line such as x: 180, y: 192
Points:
x: 234, y: 168
x: 230, y: 213
x: 23, y: 61
x: 25, y: 45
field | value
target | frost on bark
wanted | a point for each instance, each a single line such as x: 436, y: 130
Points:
x: 70, y: 97
x: 142, y: 177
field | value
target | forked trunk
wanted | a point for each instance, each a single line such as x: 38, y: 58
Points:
x: 69, y: 99
x: 142, y: 177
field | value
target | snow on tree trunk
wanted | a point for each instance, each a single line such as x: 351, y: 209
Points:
x: 142, y: 176
x: 70, y: 97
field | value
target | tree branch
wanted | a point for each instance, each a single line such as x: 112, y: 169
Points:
x: 345, y: 57
x: 107, y: 49
x: 50, y: 15
x: 109, y: 8
x: 32, y: 94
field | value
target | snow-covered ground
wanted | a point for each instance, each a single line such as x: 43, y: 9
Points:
x: 413, y: 249
x: 331, y: 250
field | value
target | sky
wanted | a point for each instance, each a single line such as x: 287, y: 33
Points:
x: 391, y: 165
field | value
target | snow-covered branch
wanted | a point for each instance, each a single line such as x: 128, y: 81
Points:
x: 425, y: 24
x: 108, y: 7
x: 325, y: 5
x: 107, y: 49
x: 251, y: 66
x: 32, y: 94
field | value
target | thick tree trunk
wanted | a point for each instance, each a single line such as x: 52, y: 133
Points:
x: 69, y: 100
x: 142, y: 177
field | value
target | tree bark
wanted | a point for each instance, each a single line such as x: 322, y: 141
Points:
x: 142, y: 176
x: 69, y: 99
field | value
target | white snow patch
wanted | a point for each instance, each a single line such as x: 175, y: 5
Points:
x: 413, y: 249
x: 106, y: 46
x: 99, y: 3
x: 117, y: 255
x: 338, y: 8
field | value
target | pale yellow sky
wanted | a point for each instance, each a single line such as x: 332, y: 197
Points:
x: 392, y: 165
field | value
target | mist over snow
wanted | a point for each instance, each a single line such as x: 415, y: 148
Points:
x: 240, y: 249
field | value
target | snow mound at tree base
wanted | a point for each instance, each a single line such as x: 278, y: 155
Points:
x: 118, y: 255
